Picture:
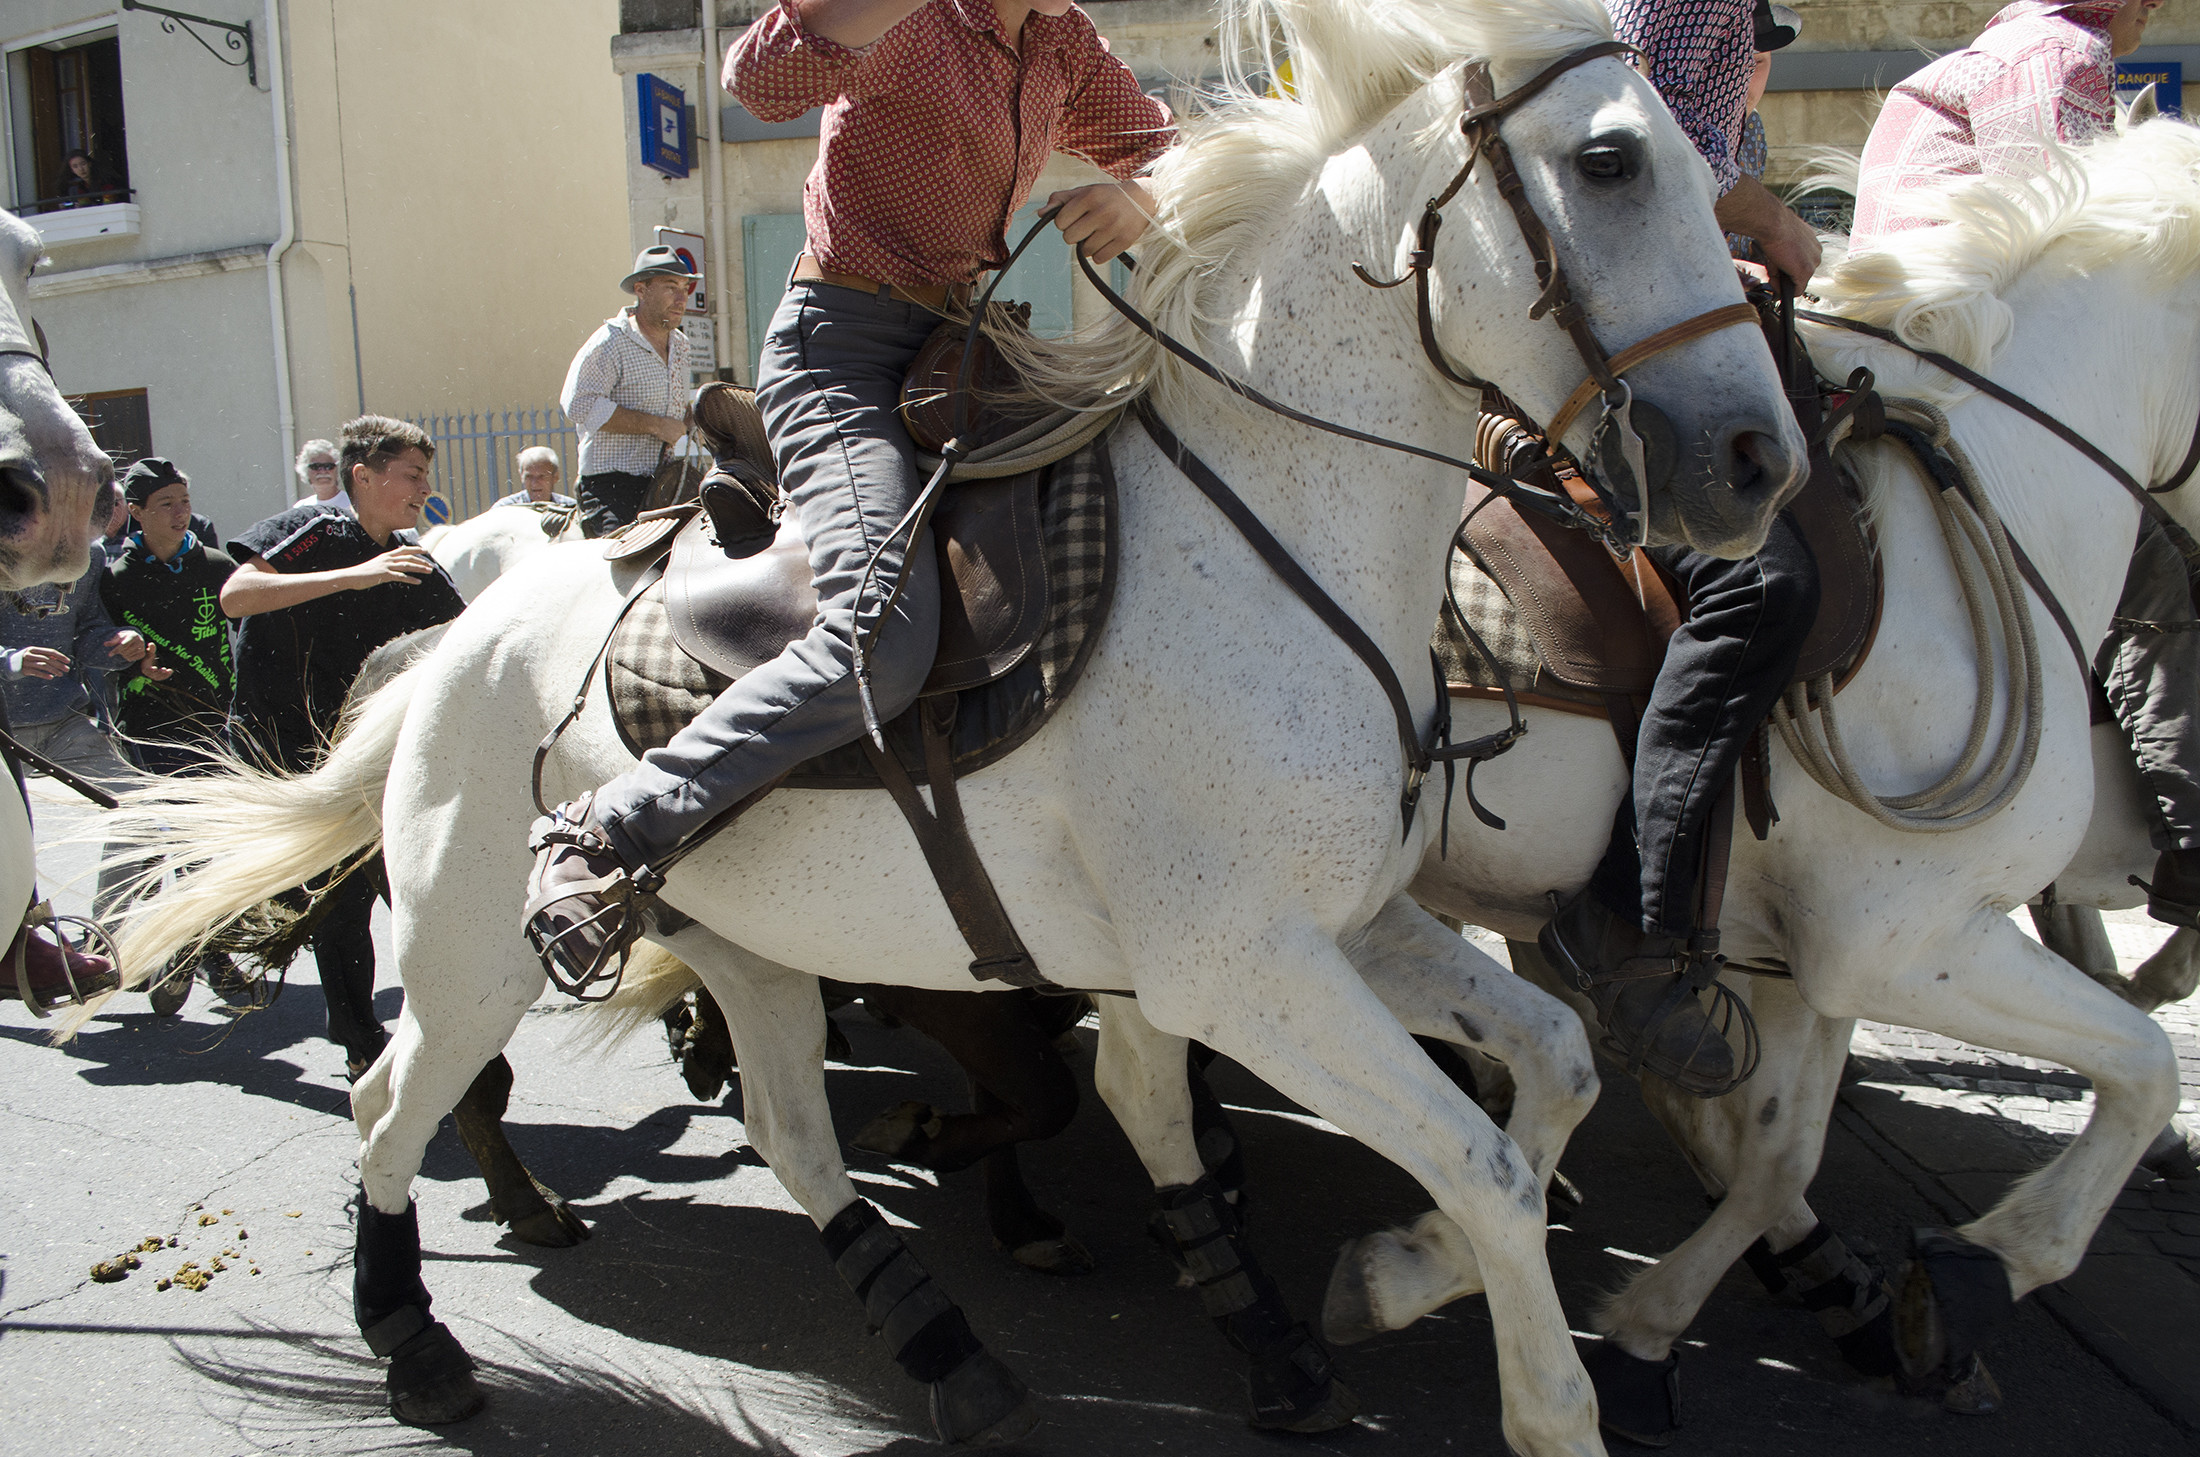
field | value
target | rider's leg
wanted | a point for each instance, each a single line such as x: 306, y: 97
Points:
x: 830, y: 383
x: 2153, y: 681
x: 1624, y: 940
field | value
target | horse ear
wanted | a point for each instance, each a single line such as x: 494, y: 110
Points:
x: 2143, y: 107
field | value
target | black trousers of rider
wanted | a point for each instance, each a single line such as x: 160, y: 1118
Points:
x: 343, y: 949
x: 1724, y: 669
x: 609, y: 500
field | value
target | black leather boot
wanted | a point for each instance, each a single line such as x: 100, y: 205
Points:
x: 1654, y: 1021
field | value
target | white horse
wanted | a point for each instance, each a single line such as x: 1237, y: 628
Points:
x: 482, y: 548
x: 55, y: 494
x: 2054, y: 288
x: 1140, y: 841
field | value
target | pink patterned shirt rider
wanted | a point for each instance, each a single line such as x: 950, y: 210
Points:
x: 935, y: 134
x: 2041, y: 68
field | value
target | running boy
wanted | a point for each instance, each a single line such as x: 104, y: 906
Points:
x: 939, y: 116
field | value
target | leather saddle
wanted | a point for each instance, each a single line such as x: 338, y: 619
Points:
x: 738, y: 589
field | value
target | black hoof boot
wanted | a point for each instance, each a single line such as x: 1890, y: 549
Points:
x: 1294, y: 1387
x: 975, y: 1399
x: 1637, y: 1400
x: 1952, y: 1295
x: 1850, y: 1296
x: 431, y: 1378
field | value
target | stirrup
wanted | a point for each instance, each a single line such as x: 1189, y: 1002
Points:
x: 621, y: 891
x: 43, y: 915
x: 1728, y: 1014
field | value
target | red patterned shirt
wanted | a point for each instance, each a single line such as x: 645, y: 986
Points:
x: 2041, y: 68
x: 935, y: 134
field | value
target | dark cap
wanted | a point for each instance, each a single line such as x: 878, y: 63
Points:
x: 148, y: 476
x: 1777, y: 26
x: 658, y: 262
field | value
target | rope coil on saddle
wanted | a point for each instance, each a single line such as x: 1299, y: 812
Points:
x: 1981, y: 551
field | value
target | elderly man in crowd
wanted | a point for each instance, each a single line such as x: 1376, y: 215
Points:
x: 318, y: 591
x: 317, y: 469
x: 627, y: 392
x: 538, y: 478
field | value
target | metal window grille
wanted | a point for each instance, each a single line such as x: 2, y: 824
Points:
x: 473, y: 454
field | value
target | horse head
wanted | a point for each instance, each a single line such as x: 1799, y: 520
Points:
x: 1600, y: 164
x: 56, y: 484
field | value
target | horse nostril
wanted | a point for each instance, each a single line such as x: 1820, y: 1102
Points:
x: 1757, y: 459
x: 20, y: 499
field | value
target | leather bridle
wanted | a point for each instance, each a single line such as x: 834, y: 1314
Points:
x: 1615, y: 446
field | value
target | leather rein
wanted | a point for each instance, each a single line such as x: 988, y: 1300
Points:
x: 1480, y: 123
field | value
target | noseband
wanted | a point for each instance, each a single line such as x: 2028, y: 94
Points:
x: 1615, y: 448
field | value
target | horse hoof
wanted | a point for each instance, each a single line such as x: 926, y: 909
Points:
x: 1953, y: 1293
x: 1637, y: 1400
x: 431, y: 1380
x: 1348, y: 1309
x: 896, y: 1131
x: 982, y: 1403
x: 1064, y: 1254
x: 553, y: 1227
x: 1974, y: 1394
x: 1296, y: 1389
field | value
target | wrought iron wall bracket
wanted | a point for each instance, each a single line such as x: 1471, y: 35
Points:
x: 236, y: 36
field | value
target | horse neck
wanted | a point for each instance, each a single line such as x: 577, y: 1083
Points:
x: 2111, y: 355
x: 1372, y: 526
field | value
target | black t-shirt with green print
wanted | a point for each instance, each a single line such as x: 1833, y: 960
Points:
x: 176, y: 606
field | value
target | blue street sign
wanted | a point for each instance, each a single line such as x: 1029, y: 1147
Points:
x: 667, y: 138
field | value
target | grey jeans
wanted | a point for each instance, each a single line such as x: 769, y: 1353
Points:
x: 2153, y: 683
x: 81, y: 746
x: 828, y: 386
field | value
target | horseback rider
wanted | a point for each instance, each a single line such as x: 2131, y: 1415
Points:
x: 2046, y: 69
x: 939, y: 115
x: 1624, y: 940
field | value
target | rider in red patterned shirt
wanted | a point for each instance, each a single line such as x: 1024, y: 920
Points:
x: 2040, y: 69
x: 939, y: 116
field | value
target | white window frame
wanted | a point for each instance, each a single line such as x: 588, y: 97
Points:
x: 88, y: 29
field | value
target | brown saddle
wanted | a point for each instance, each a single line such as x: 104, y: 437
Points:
x: 734, y: 607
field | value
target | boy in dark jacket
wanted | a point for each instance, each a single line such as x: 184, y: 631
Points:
x: 165, y: 585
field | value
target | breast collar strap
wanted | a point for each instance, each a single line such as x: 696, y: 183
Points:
x: 1480, y: 122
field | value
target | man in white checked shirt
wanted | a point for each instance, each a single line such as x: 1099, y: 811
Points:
x: 627, y: 392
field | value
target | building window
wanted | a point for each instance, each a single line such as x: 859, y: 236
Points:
x: 121, y: 423
x: 70, y: 148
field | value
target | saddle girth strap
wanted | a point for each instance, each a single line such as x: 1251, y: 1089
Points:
x: 997, y: 952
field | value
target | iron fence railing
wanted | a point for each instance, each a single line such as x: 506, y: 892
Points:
x: 473, y: 455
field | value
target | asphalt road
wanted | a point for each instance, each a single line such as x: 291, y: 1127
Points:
x: 703, y: 1316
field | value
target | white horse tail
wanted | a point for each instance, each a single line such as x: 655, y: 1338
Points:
x: 654, y: 980
x: 240, y: 836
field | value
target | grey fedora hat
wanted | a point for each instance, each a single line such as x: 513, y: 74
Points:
x: 658, y: 262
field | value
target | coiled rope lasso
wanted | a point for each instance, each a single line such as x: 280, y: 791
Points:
x: 1986, y: 568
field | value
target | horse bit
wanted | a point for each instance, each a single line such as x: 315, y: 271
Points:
x: 1616, y: 467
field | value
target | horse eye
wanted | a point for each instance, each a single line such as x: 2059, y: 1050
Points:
x: 1603, y: 164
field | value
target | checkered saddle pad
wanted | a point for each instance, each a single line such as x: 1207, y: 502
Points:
x: 1504, y: 632
x: 656, y: 689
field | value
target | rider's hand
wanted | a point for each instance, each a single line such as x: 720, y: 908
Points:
x: 671, y: 429
x: 44, y: 663
x: 1792, y: 248
x: 129, y: 646
x: 1104, y: 218
x: 399, y: 564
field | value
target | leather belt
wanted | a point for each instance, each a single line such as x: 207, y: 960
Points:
x: 934, y: 296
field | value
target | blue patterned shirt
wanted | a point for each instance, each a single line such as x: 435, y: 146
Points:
x: 1699, y: 54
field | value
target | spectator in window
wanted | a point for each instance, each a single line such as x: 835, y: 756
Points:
x: 538, y: 477
x: 627, y: 392
x: 165, y: 585
x: 317, y: 472
x: 80, y: 188
x: 318, y: 591
x: 51, y: 638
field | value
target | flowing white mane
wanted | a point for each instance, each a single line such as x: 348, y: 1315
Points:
x: 1247, y: 155
x: 1941, y: 287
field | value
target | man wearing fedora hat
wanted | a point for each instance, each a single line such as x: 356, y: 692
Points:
x: 627, y: 392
